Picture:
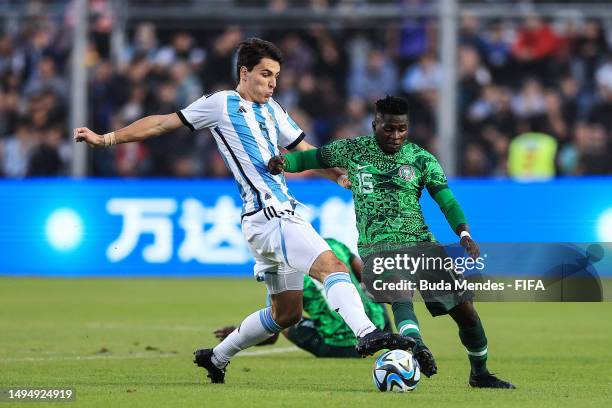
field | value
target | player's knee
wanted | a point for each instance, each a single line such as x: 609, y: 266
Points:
x: 288, y: 318
x: 465, y: 315
x: 326, y: 264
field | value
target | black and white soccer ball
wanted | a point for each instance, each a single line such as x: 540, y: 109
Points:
x: 396, y: 370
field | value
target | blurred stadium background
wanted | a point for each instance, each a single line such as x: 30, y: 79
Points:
x: 515, y: 98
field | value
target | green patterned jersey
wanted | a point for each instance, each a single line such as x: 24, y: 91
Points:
x: 329, y: 323
x: 386, y: 189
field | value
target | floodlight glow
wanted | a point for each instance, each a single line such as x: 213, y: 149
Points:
x: 64, y: 229
x: 604, y: 226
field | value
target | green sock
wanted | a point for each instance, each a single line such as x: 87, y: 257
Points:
x: 475, y: 341
x: 406, y: 321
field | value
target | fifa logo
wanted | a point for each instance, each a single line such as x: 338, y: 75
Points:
x: 406, y: 172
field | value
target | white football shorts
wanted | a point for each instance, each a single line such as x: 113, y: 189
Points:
x: 284, y: 246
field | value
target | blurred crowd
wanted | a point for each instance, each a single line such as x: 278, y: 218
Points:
x: 530, y: 90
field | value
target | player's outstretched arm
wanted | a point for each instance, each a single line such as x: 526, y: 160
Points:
x: 306, y: 157
x: 456, y: 218
x: 149, y: 126
x: 332, y: 173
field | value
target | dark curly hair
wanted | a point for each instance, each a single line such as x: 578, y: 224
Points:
x: 392, y: 105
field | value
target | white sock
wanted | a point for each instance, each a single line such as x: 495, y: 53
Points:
x: 344, y: 299
x: 254, y: 329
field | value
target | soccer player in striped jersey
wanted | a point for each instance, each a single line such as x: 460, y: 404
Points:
x: 248, y: 127
x: 388, y: 175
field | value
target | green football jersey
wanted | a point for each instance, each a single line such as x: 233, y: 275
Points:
x: 329, y: 323
x: 386, y: 189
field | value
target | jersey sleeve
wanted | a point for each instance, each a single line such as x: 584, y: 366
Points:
x: 290, y: 134
x: 203, y: 113
x: 336, y: 154
x: 434, y: 178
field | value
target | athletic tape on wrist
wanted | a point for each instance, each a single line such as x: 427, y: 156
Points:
x: 110, y: 139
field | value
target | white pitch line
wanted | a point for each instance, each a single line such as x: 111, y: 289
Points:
x: 278, y: 350
x: 104, y: 325
x: 93, y: 357
x: 264, y: 352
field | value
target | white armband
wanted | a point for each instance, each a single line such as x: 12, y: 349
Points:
x: 464, y: 233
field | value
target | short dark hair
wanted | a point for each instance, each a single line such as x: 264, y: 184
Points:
x: 253, y: 50
x: 392, y: 105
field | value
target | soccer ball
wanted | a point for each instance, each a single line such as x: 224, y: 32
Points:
x: 396, y: 370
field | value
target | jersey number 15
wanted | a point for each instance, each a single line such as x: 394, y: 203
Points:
x: 365, y: 183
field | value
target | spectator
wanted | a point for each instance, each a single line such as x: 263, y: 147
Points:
x: 218, y: 72
x: 475, y: 163
x: 46, y: 159
x: 531, y: 156
x: 188, y: 87
x: 15, y: 151
x: 589, y: 48
x: 535, y: 47
x: 530, y: 101
x: 602, y: 110
x: 374, y: 78
x: 589, y: 154
x: 47, y: 79
x: 426, y: 75
x: 472, y: 75
x: 145, y: 42
x: 182, y: 48
x: 496, y: 52
x: 11, y: 60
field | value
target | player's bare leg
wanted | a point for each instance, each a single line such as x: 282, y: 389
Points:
x: 287, y: 307
x: 344, y: 299
x: 473, y: 338
x: 286, y: 310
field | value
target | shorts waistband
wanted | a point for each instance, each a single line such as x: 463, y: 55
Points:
x: 272, y: 211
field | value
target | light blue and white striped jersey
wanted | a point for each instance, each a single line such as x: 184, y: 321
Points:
x: 248, y: 135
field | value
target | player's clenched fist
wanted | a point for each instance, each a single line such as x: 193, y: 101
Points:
x: 83, y: 134
x: 276, y: 165
x: 470, y: 246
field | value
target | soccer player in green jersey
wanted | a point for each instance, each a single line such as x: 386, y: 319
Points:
x: 323, y: 332
x: 387, y: 175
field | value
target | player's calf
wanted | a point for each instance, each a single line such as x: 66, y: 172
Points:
x: 287, y: 307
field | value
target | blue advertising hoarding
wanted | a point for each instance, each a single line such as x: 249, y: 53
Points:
x: 63, y: 227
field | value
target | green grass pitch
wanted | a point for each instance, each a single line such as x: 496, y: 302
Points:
x: 128, y: 342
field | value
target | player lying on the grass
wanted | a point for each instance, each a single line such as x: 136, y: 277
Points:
x: 248, y: 127
x: 388, y: 175
x: 323, y: 333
